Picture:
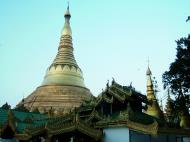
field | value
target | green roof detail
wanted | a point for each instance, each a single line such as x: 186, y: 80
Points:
x: 23, y: 120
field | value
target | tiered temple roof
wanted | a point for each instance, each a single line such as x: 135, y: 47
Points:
x: 116, y: 106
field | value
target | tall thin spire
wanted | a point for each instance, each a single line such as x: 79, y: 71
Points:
x: 64, y: 69
x: 153, y: 106
x: 63, y: 86
x: 67, y: 29
x: 150, y: 89
x: 68, y: 4
x: 169, y: 109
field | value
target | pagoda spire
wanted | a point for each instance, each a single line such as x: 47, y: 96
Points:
x: 184, y: 113
x: 63, y: 86
x: 169, y: 109
x: 153, y: 106
x: 67, y: 29
x: 64, y: 69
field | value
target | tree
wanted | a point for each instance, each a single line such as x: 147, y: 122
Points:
x: 6, y: 106
x: 21, y: 108
x: 178, y: 76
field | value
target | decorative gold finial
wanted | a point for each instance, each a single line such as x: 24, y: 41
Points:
x: 68, y: 5
x: 153, y: 106
x: 113, y: 80
x: 67, y: 13
x: 148, y: 72
x: 161, y: 105
x: 107, y: 84
x: 188, y: 19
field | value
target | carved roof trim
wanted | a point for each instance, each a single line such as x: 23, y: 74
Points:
x: 149, y: 129
x: 94, y: 114
x: 64, y: 127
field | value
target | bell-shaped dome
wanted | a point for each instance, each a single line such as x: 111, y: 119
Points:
x: 63, y: 86
x: 64, y: 69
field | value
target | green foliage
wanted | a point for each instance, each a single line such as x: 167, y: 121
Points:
x: 177, y: 79
x: 178, y: 76
x: 36, y: 110
x: 21, y: 108
x: 6, y: 106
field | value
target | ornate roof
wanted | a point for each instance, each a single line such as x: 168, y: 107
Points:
x: 19, y: 121
x: 89, y: 118
x: 29, y: 124
x: 121, y: 93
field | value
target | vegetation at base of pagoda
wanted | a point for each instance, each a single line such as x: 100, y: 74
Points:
x: 170, y: 113
x: 155, y: 86
x: 21, y: 108
x: 17, y: 108
x: 177, y: 79
x: 36, y: 110
x: 6, y: 106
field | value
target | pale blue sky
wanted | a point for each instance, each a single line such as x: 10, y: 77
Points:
x: 112, y: 38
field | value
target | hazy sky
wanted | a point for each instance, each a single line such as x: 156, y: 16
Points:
x: 112, y: 38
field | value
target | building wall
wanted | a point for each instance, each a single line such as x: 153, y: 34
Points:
x: 8, y: 140
x: 140, y: 137
x: 160, y: 138
x: 186, y: 139
x: 126, y: 135
x: 116, y: 135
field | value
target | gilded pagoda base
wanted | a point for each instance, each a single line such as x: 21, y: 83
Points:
x: 57, y: 99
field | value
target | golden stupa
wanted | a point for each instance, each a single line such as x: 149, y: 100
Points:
x: 63, y: 86
x: 153, y: 107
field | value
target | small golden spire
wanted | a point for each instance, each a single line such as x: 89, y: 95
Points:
x: 184, y: 114
x: 153, y: 106
x: 169, y: 109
